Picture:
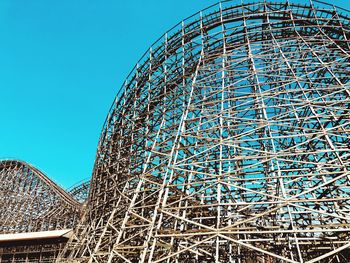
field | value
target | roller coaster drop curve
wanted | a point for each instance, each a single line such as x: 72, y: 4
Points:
x: 229, y: 142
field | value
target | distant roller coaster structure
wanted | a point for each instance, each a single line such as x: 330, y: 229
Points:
x: 228, y: 142
x: 35, y: 202
x: 31, y: 203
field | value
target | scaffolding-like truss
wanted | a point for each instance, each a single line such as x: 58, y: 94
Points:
x: 229, y: 143
x: 31, y: 203
x: 80, y: 191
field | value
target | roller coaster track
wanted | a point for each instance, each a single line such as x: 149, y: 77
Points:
x: 80, y: 191
x: 30, y: 201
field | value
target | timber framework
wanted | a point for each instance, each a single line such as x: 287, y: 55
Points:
x: 228, y: 142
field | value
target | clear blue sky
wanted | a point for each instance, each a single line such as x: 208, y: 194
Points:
x: 62, y: 63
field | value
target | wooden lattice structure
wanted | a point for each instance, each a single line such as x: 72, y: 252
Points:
x: 32, y: 207
x: 31, y: 202
x: 80, y: 191
x: 229, y: 142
